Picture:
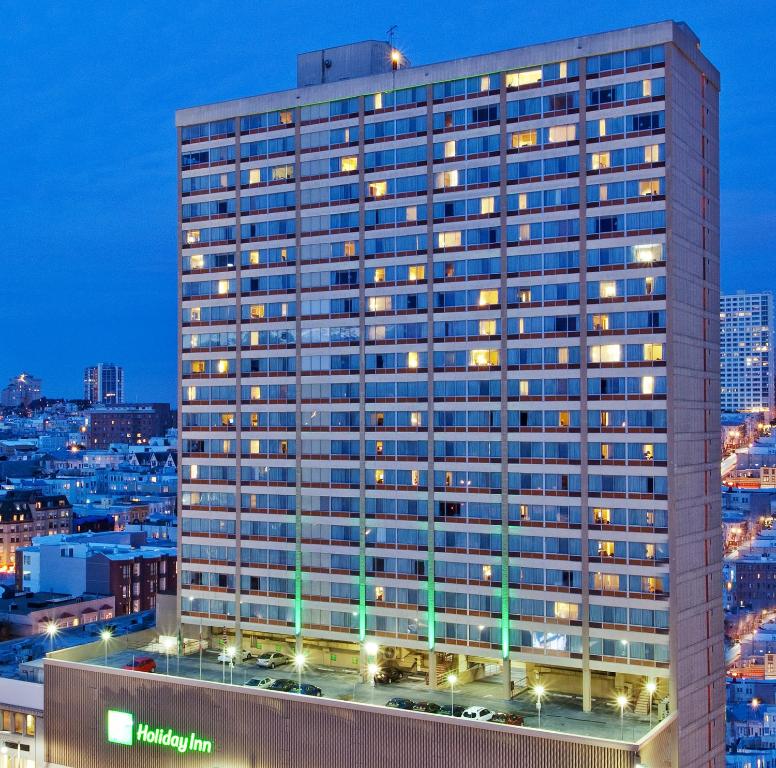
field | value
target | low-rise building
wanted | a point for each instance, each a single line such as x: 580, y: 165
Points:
x: 34, y: 613
x: 128, y: 423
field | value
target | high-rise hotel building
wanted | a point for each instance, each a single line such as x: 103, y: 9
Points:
x: 449, y: 366
x: 746, y: 341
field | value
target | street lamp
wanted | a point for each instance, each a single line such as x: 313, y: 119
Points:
x: 622, y: 703
x: 371, y: 648
x: 228, y: 654
x: 651, y: 688
x: 452, y: 679
x: 106, y: 636
x: 300, y: 661
x: 168, y: 644
x: 372, y: 669
x: 539, y: 691
x: 52, y: 630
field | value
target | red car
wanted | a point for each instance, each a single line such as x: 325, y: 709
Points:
x: 141, y: 664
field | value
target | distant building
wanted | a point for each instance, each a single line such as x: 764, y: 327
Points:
x: 128, y: 423
x: 122, y: 565
x: 21, y: 390
x: 26, y: 514
x: 32, y: 614
x: 104, y: 383
x: 746, y: 342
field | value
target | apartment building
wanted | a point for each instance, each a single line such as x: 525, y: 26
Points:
x: 104, y: 383
x: 746, y: 341
x: 449, y: 370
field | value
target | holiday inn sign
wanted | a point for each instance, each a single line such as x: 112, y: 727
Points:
x: 123, y: 729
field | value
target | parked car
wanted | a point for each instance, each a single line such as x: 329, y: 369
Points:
x: 141, y: 664
x: 388, y: 675
x: 427, y: 706
x: 507, y: 718
x: 307, y: 689
x: 225, y: 657
x: 454, y: 711
x: 282, y: 684
x: 399, y: 703
x: 477, y: 713
x: 271, y: 660
x: 259, y: 682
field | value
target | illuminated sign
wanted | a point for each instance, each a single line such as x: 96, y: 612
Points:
x: 122, y: 729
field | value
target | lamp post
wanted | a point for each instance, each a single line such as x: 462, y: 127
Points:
x: 622, y: 702
x: 372, y: 670
x: 300, y: 661
x: 168, y: 644
x: 230, y: 652
x: 452, y: 679
x: 106, y: 636
x: 651, y: 688
x: 52, y: 630
x: 539, y: 691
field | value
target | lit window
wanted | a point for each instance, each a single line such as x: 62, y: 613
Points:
x: 379, y: 594
x: 257, y: 311
x: 524, y: 139
x: 223, y: 286
x: 646, y: 87
x: 559, y: 133
x: 487, y: 572
x: 253, y: 257
x: 600, y: 322
x: 254, y: 176
x: 255, y: 446
x: 379, y: 447
x: 222, y: 366
x: 378, y: 101
x: 648, y: 451
x: 566, y: 611
x: 195, y: 314
x: 197, y: 261
x: 286, y: 117
x: 645, y: 254
x: 563, y: 355
x: 254, y: 339
x: 483, y: 357
x: 193, y: 471
x: 192, y: 236
x: 380, y: 275
x: 606, y: 353
x: 602, y: 127
x: 608, y: 289
x: 446, y: 179
x: 417, y: 272
x: 522, y: 201
x: 653, y: 352
x: 191, y: 393
x: 649, y: 285
x: 602, y: 515
x: 488, y: 297
x: 449, y: 239
x: 449, y: 149
x: 649, y: 187
x: 600, y: 160
x: 485, y: 83
x: 525, y: 77
x: 284, y: 309
x: 379, y: 476
x: 603, y: 192
x: 523, y: 387
x: 412, y: 360
x: 411, y: 212
x: 647, y: 385
x: 487, y: 327
x: 378, y: 188
x: 379, y: 303
x: 348, y: 163
x: 283, y: 173
x: 349, y: 248
x: 562, y: 69
x: 255, y: 393
x: 652, y: 153
x: 416, y: 477
x: 605, y: 451
x: 524, y: 232
x: 606, y: 548
x: 487, y: 205
x: 415, y: 420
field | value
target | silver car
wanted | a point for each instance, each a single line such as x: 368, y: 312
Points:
x: 272, y: 660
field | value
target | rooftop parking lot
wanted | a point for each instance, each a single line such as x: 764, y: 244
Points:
x: 559, y: 713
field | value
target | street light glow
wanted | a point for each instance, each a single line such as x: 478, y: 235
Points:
x: 622, y: 701
x: 300, y: 660
x: 372, y: 669
x: 52, y: 629
x: 539, y: 690
x: 452, y: 679
x: 651, y: 687
x: 106, y: 635
x: 371, y: 648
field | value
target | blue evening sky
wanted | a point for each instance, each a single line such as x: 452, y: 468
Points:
x: 88, y: 95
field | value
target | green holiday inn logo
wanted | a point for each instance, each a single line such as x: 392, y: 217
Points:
x: 122, y: 729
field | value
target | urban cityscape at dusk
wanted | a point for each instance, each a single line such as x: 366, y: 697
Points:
x: 411, y: 394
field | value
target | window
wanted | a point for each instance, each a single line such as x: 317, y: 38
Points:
x: 602, y: 516
x: 222, y: 366
x: 608, y: 289
x: 411, y: 213
x: 379, y: 275
x: 412, y: 360
x: 646, y: 254
x: 257, y: 311
x: 649, y: 187
x: 449, y: 149
x: 524, y: 139
x: 348, y: 163
x: 606, y: 353
x: 349, y: 248
x: 483, y: 357
x: 647, y: 385
x: 600, y: 322
x: 378, y: 188
x: 223, y: 286
x: 652, y: 153
x: 379, y: 476
x: 449, y: 239
x: 488, y: 297
x: 487, y: 205
x: 600, y: 161
x: 488, y: 328
x: 525, y: 77
x: 415, y: 420
x: 557, y: 133
x: 653, y: 352
x: 417, y: 272
x: 447, y: 179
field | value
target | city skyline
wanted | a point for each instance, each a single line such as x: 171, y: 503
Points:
x: 88, y: 121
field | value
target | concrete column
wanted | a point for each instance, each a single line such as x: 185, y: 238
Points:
x: 432, y: 670
x: 298, y: 644
x: 462, y: 662
x: 587, y: 699
x: 506, y: 671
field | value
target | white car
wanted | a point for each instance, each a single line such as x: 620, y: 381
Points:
x: 259, y: 682
x: 225, y: 657
x: 477, y: 713
x: 272, y: 660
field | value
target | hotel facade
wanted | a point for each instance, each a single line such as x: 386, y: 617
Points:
x: 449, y: 368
